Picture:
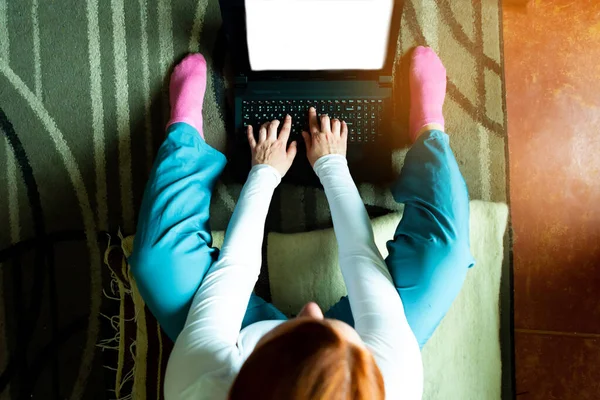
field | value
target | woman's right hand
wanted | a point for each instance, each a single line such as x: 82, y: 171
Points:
x: 272, y: 149
x: 332, y: 138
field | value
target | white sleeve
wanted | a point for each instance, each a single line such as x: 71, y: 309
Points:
x: 206, y: 348
x: 376, y: 306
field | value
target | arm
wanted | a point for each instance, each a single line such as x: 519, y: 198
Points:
x: 208, y: 340
x: 207, y: 346
x: 375, y: 303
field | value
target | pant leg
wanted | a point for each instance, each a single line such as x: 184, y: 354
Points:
x: 430, y: 253
x: 259, y: 310
x: 173, y: 244
x: 172, y: 247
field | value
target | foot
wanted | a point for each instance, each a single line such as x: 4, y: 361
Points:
x: 186, y: 91
x: 427, y: 91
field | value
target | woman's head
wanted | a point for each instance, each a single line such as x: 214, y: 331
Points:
x: 309, y: 357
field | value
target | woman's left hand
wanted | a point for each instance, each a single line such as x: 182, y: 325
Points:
x: 273, y: 150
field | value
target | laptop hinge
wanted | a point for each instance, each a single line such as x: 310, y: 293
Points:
x: 241, y: 81
x: 385, y: 81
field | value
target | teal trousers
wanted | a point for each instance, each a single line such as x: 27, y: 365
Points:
x: 428, y: 256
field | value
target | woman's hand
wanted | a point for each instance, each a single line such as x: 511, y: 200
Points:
x: 270, y: 149
x: 332, y: 138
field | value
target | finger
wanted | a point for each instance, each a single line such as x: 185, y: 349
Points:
x: 291, y: 151
x: 307, y: 140
x: 336, y: 126
x: 344, y: 133
x: 284, y: 135
x: 262, y: 132
x: 313, y: 123
x: 251, y: 139
x: 273, y: 129
x: 325, y: 124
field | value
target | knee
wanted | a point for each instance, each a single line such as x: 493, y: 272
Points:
x: 455, y: 252
x: 148, y: 260
x: 140, y: 255
x: 446, y: 261
x: 142, y: 269
x: 155, y: 249
x: 416, y: 262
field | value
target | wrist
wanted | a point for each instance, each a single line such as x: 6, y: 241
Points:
x: 330, y: 162
x: 266, y: 172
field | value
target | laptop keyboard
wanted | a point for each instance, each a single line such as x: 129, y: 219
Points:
x: 363, y: 116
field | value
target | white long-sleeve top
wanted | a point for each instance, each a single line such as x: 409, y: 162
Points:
x: 211, y: 349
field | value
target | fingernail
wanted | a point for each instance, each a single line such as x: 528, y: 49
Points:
x: 287, y: 116
x: 312, y: 109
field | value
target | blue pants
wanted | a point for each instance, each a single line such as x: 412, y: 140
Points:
x: 430, y: 253
x: 428, y: 260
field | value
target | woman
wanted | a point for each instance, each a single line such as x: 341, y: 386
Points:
x: 229, y: 342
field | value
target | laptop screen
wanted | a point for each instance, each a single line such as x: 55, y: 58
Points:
x: 317, y: 35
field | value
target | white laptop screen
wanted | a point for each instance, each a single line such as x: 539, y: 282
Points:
x: 310, y: 35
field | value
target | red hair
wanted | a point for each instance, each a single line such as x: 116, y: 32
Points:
x: 309, y: 361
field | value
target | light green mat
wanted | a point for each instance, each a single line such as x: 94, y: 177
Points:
x: 462, y: 359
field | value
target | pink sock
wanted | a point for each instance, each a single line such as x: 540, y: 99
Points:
x: 427, y: 90
x: 186, y: 91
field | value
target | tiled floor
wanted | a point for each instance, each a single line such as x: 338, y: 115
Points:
x: 552, y: 60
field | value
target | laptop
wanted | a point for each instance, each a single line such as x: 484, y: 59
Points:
x: 339, y: 62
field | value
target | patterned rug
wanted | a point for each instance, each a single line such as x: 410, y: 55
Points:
x: 82, y: 112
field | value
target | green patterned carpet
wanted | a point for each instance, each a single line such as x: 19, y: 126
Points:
x: 82, y: 112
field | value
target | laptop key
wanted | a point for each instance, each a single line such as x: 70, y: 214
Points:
x: 362, y: 116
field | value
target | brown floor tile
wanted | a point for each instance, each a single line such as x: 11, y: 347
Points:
x: 552, y: 61
x: 557, y: 368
